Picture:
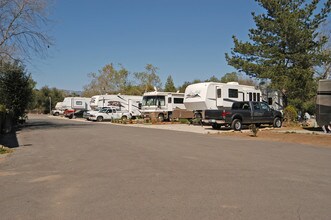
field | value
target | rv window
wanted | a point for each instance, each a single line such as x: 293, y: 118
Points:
x: 178, y: 100
x: 219, y: 93
x: 250, y: 96
x: 269, y: 101
x: 79, y: 103
x: 153, y: 100
x: 258, y: 97
x: 169, y: 100
x: 161, y: 100
x: 233, y: 93
x: 254, y: 97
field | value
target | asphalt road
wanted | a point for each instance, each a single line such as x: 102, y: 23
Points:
x: 64, y: 169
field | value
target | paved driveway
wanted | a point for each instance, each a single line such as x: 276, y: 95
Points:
x: 65, y: 169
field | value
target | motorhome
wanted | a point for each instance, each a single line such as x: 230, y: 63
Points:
x: 215, y: 95
x: 161, y: 105
x: 76, y: 103
x: 323, y: 102
x: 125, y: 102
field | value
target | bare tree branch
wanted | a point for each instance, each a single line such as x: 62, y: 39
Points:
x: 21, y: 25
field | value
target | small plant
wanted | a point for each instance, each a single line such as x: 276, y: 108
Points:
x: 183, y: 121
x: 147, y: 120
x: 196, y: 121
x: 254, y: 129
x: 290, y: 113
x: 5, y: 150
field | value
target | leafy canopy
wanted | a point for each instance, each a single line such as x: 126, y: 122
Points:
x: 285, y: 46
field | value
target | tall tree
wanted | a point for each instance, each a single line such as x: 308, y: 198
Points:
x: 46, y: 98
x: 284, y: 47
x: 212, y: 79
x: 22, y: 25
x: 148, y: 79
x: 230, y: 77
x: 15, y: 89
x: 183, y: 86
x: 169, y: 85
x: 108, y: 80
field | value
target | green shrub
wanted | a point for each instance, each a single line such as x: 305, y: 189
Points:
x: 290, y: 113
x: 184, y: 121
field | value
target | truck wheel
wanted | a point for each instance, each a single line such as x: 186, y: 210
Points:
x: 236, y: 125
x: 197, y: 115
x: 71, y: 116
x: 277, y: 122
x: 56, y: 114
x: 161, y: 117
x: 124, y: 117
x: 99, y: 118
x: 216, y: 126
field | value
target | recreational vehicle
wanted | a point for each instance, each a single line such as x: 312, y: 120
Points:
x: 274, y: 99
x: 161, y: 105
x: 323, y: 102
x: 58, y: 109
x: 214, y: 95
x: 76, y: 103
x: 125, y: 102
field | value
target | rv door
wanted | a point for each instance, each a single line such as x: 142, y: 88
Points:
x: 219, y: 98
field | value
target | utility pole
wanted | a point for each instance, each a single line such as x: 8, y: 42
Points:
x: 50, y: 105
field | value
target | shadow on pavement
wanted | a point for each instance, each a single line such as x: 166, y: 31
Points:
x: 10, y: 139
x: 42, y: 125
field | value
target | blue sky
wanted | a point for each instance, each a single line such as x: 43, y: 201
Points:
x: 183, y: 38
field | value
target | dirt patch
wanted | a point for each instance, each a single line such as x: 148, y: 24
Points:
x: 287, y: 135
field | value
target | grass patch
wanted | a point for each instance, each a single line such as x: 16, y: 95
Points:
x: 5, y: 150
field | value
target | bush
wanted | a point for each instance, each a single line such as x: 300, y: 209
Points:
x: 184, y: 121
x: 290, y: 113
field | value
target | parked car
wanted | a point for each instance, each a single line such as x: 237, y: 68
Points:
x: 57, y: 112
x: 110, y: 114
x: 244, y: 113
x: 87, y: 114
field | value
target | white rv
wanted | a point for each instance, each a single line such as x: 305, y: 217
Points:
x: 76, y: 103
x: 161, y: 105
x: 214, y: 95
x: 58, y: 109
x: 125, y: 102
x: 274, y: 99
x: 323, y: 102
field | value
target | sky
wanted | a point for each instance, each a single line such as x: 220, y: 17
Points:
x: 186, y: 39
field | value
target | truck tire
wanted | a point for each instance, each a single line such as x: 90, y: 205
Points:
x: 161, y: 117
x: 56, y: 114
x: 216, y: 126
x: 277, y: 122
x: 99, y: 118
x: 236, y: 124
x: 124, y: 117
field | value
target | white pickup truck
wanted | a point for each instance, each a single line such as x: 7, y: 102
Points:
x: 109, y: 114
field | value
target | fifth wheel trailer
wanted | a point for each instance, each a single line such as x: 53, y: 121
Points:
x: 216, y: 96
x: 125, y: 102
